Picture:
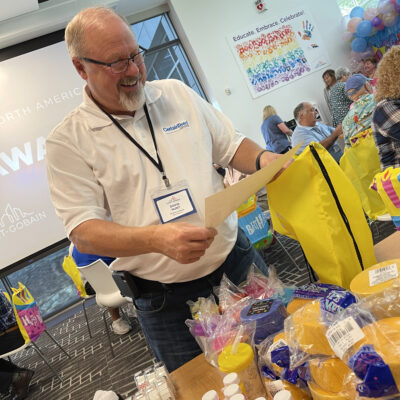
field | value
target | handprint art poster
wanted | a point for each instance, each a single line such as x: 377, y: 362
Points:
x: 279, y: 51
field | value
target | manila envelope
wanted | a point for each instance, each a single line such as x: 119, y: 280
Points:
x: 220, y: 205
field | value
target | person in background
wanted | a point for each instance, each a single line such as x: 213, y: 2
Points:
x: 119, y: 325
x: 386, y: 116
x: 114, y: 165
x: 359, y: 117
x: 370, y: 65
x: 275, y: 131
x: 12, y: 378
x: 330, y: 79
x: 340, y: 103
x: 309, y: 130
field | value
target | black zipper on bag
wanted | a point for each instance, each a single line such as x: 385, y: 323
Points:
x: 339, y: 206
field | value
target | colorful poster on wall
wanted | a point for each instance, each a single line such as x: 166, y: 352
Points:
x: 278, y: 51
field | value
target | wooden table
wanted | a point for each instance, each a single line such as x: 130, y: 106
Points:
x: 195, y: 378
x: 388, y: 248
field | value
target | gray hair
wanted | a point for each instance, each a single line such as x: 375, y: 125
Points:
x: 298, y: 109
x: 341, y: 72
x: 76, y: 28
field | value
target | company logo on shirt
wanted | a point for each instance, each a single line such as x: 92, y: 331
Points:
x: 13, y: 219
x: 176, y: 127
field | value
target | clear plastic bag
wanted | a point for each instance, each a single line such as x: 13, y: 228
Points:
x: 305, y: 329
x: 366, y: 337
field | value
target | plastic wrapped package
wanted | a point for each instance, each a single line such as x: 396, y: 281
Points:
x: 275, y: 386
x: 384, y: 304
x: 274, y: 365
x: 228, y: 294
x: 269, y: 315
x: 376, y: 278
x: 218, y: 331
x: 240, y: 358
x: 259, y: 286
x: 306, y: 328
x: 307, y: 293
x: 331, y: 377
x: 203, y: 307
x: 370, y: 348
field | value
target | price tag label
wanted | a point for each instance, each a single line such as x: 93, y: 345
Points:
x: 383, y: 274
x: 344, y: 334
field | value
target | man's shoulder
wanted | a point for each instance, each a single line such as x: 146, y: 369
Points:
x: 300, y: 130
x: 75, y: 120
x: 163, y: 84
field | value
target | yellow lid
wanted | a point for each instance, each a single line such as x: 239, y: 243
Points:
x: 360, y: 284
x: 237, y: 362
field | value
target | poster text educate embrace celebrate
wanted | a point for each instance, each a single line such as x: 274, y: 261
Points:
x: 279, y: 51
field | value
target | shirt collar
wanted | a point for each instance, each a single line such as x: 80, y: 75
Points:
x: 97, y: 119
x: 307, y: 127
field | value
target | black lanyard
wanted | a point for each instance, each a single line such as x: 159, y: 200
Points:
x: 158, y: 164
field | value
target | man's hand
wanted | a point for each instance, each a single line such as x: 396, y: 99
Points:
x: 182, y: 242
x: 268, y: 157
x: 338, y: 131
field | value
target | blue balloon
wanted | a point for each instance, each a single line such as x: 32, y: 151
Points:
x: 364, y: 28
x: 358, y: 44
x: 357, y: 12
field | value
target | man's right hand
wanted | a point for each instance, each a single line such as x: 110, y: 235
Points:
x: 181, y: 241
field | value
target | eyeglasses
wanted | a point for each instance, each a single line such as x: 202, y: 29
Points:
x: 117, y: 67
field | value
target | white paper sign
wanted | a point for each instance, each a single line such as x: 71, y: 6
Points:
x: 344, y: 334
x: 383, y: 274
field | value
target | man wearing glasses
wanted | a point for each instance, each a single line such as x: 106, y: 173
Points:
x: 128, y: 172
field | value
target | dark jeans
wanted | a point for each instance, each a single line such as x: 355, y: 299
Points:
x: 8, y: 342
x: 162, y: 314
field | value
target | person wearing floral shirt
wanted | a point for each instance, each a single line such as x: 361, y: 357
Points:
x: 358, y: 119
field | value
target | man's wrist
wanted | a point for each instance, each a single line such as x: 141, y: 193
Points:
x: 258, y: 159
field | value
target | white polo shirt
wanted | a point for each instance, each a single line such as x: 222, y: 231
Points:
x: 95, y: 172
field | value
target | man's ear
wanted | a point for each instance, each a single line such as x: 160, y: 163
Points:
x: 80, y: 67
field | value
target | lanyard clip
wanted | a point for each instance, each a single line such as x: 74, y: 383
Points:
x: 166, y: 181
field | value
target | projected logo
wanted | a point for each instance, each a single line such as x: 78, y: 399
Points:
x: 14, y: 219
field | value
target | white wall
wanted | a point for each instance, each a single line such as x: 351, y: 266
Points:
x: 207, y: 23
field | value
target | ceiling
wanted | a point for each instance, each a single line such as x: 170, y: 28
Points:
x: 54, y: 15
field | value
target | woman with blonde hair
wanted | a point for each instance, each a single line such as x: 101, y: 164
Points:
x: 275, y: 131
x: 386, y: 117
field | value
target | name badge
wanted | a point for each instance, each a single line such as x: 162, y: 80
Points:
x: 174, y: 205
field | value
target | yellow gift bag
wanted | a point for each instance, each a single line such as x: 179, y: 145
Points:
x: 360, y: 163
x: 72, y: 271
x: 313, y: 202
x: 387, y: 183
x: 27, y: 313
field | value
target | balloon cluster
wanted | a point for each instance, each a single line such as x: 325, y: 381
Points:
x: 372, y: 28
